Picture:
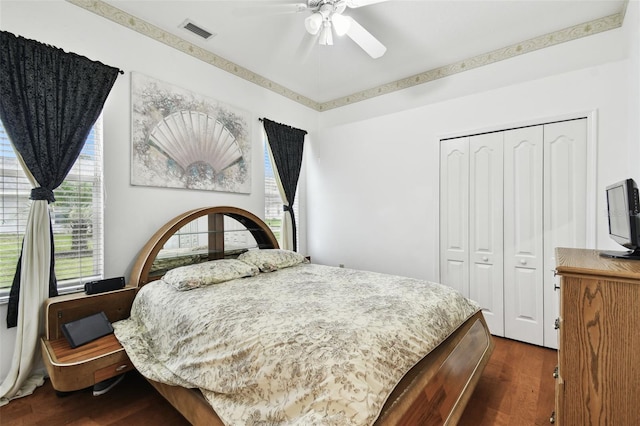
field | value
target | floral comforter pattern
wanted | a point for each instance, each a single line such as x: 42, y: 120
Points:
x: 306, y: 345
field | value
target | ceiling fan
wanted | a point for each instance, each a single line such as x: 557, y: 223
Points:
x: 327, y: 17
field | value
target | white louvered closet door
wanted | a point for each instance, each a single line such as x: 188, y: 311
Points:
x: 565, y: 201
x: 485, y: 227
x: 523, y: 234
x: 454, y: 214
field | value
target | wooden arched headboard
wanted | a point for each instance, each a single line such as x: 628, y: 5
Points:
x: 146, y: 269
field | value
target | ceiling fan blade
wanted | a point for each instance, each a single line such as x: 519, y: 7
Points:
x: 359, y: 3
x: 365, y: 40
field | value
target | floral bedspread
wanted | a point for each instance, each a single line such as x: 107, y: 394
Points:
x: 305, y: 345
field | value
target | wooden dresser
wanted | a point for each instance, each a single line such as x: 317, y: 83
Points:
x: 598, y: 376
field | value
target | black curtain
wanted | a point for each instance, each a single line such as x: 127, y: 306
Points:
x: 49, y: 101
x: 286, y: 145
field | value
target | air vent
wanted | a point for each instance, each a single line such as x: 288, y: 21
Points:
x: 197, y: 30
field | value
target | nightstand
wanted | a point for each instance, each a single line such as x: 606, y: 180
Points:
x: 73, y: 369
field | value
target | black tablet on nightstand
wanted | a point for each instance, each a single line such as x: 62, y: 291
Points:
x: 87, y: 329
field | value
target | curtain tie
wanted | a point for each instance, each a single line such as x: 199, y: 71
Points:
x: 41, y: 193
x: 287, y: 208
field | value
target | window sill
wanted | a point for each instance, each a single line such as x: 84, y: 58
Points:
x: 67, y: 288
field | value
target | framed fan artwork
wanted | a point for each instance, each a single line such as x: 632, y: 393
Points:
x: 181, y: 139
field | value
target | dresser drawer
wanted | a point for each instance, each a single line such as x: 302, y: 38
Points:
x: 112, y: 370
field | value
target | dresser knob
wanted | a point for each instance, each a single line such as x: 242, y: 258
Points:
x: 485, y: 259
x: 121, y: 367
x: 523, y: 261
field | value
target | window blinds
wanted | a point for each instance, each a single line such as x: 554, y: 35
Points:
x: 76, y: 216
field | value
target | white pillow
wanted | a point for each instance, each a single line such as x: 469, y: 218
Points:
x: 268, y: 260
x: 207, y: 273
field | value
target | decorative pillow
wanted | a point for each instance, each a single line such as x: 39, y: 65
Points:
x: 268, y: 260
x: 207, y: 273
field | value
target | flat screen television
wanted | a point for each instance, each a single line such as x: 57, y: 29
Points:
x: 623, y: 210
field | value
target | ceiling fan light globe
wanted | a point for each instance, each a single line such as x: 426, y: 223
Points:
x: 313, y: 23
x: 341, y: 24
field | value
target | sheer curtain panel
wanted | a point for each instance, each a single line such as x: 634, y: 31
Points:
x: 49, y: 100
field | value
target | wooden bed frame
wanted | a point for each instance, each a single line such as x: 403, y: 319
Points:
x: 434, y: 392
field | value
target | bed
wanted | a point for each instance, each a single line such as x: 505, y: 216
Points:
x: 232, y: 330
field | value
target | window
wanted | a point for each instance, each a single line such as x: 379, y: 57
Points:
x: 273, y: 201
x: 76, y: 216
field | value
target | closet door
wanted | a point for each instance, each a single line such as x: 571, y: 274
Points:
x: 565, y: 201
x: 454, y: 214
x: 523, y: 234
x: 485, y: 227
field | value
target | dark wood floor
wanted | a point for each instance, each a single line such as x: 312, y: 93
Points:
x: 516, y: 388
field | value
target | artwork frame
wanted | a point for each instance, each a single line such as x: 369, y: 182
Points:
x: 185, y: 140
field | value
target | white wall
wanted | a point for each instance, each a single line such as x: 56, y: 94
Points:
x: 132, y: 214
x: 374, y: 174
x: 632, y: 30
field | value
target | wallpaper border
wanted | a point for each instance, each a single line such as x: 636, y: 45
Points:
x: 568, y: 34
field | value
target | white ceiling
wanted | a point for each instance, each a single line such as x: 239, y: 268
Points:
x: 419, y: 36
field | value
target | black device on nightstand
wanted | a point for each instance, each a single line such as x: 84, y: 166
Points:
x: 87, y: 329
x: 100, y: 286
